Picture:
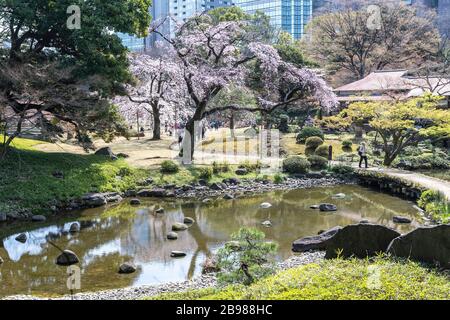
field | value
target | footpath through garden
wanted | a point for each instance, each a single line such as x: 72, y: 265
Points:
x: 417, y: 178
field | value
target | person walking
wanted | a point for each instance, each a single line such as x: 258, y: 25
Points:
x: 362, y: 151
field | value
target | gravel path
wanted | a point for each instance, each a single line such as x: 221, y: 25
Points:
x: 201, y: 282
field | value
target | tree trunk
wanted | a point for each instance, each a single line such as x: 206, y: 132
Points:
x: 232, y: 124
x: 156, y: 123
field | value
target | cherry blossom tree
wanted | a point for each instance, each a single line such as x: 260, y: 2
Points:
x: 213, y: 57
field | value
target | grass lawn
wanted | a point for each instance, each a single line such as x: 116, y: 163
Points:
x: 27, y: 181
x: 289, y: 142
x: 380, y: 279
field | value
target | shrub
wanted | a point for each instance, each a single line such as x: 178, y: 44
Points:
x: 435, y: 205
x: 296, y: 164
x: 246, y: 258
x: 323, y: 151
x: 424, y: 161
x: 168, y: 166
x: 342, y: 169
x: 251, y: 167
x: 219, y: 168
x: 347, y: 144
x: 313, y: 142
x: 318, y: 162
x: 308, y: 132
x: 278, y: 178
x: 283, y: 125
x: 205, y: 173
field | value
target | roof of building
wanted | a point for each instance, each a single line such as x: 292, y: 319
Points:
x: 393, y: 80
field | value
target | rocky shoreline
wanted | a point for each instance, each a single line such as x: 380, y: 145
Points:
x: 202, y: 190
x: 201, y: 282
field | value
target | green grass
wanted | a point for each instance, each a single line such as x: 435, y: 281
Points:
x: 27, y: 183
x: 337, y: 279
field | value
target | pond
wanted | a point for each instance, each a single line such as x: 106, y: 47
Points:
x: 124, y: 233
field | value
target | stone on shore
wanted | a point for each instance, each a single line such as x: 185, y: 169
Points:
x: 94, y: 200
x: 318, y: 242
x: 265, y: 205
x: 74, y: 228
x: 38, y: 218
x: 426, y: 244
x: 399, y: 219
x: 188, y: 220
x: 135, y: 202
x: 360, y: 240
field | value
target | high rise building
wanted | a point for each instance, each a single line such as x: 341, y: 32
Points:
x: 290, y: 16
x: 180, y: 10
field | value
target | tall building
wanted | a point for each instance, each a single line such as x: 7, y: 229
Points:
x: 180, y: 10
x: 291, y: 16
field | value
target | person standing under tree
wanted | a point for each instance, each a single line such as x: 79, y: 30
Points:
x: 362, y: 151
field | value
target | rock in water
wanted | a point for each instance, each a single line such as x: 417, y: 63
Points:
x: 127, y: 268
x: 177, y: 254
x: 265, y: 205
x: 314, y: 207
x: 189, y: 220
x: 22, y: 238
x: 327, y: 207
x: 178, y: 226
x: 339, y: 196
x: 429, y: 245
x: 360, y: 240
x: 318, y: 242
x: 399, y: 219
x: 67, y: 258
x: 172, y: 236
x: 135, y: 202
x: 94, y: 200
x: 160, y: 210
x: 267, y: 224
x: 228, y: 197
x: 38, y: 218
x: 74, y: 228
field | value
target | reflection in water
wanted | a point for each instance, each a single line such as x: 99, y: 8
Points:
x: 125, y: 233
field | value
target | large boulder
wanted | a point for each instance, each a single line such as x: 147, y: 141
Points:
x: 153, y: 193
x: 106, y: 151
x: 316, y: 242
x: 94, y: 200
x: 179, y: 226
x: 360, y: 240
x: 38, y: 218
x: 67, y: 258
x: 426, y: 244
x: 22, y: 238
x: 113, y: 197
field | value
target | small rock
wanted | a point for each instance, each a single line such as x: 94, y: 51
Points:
x: 123, y: 155
x: 267, y: 223
x: 67, y: 258
x: 364, y: 221
x: 74, y: 228
x: 127, y: 268
x: 3, y: 217
x: 113, y: 197
x: 203, y: 182
x: 172, y: 236
x: 58, y: 175
x: 315, y: 207
x: 399, y: 219
x: 1, y: 260
x: 38, y: 218
x: 177, y: 254
x: 94, y: 200
x: 339, y: 196
x: 179, y: 226
x: 265, y: 205
x: 22, y: 238
x: 135, y: 202
x: 207, y: 201
x: 160, y: 211
x: 189, y: 220
x: 241, y: 172
x: 228, y: 196
x: 217, y: 187
x: 327, y: 207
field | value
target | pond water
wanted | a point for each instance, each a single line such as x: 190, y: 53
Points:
x: 124, y: 233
